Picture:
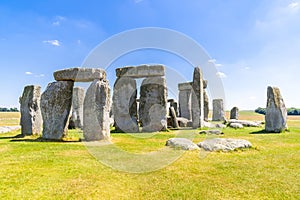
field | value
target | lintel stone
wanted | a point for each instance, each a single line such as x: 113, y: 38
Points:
x: 80, y: 74
x: 141, y: 71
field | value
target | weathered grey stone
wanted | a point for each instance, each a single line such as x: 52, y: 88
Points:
x: 236, y: 125
x: 183, y: 122
x: 220, y: 126
x: 125, y: 105
x: 218, y: 110
x: 182, y: 143
x: 175, y: 106
x: 56, y: 103
x: 276, y: 112
x: 80, y: 74
x: 205, y: 83
x: 211, y: 132
x: 224, y: 144
x: 197, y: 99
x: 77, y: 107
x: 96, y: 121
x: 185, y: 86
x: 208, y: 125
x: 234, y: 113
x: 142, y: 71
x: 185, y: 100
x: 173, y: 117
x: 153, y: 104
x: 31, y: 117
x: 244, y: 123
x: 206, y: 106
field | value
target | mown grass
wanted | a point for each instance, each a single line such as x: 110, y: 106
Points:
x: 33, y: 169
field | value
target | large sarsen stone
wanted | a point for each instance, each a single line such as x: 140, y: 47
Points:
x: 56, y: 103
x: 31, y: 117
x: 80, y: 74
x: 96, y: 121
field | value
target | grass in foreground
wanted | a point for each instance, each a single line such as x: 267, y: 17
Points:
x: 32, y: 169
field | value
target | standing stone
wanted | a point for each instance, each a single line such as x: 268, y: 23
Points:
x: 153, y: 104
x: 218, y: 110
x: 56, y: 103
x: 77, y: 107
x: 234, y: 113
x: 206, y: 101
x: 185, y: 100
x: 31, y: 117
x: 173, y: 116
x: 174, y: 104
x: 206, y: 106
x: 96, y: 122
x: 197, y: 99
x: 276, y: 112
x: 125, y: 105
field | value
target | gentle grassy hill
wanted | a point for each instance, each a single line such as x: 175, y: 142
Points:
x: 9, y: 118
x: 33, y: 169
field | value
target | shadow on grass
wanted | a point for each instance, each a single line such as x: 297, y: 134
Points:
x: 22, y: 138
x: 12, y: 137
x: 263, y: 131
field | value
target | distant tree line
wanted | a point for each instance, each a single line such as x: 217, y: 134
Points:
x: 290, y: 111
x: 9, y: 110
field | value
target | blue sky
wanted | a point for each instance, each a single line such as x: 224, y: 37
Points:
x: 254, y: 43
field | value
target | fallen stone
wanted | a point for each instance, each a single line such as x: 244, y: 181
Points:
x: 276, y: 112
x: 56, y: 104
x: 183, y: 122
x: 181, y: 143
x: 236, y: 125
x: 211, y: 132
x: 220, y: 126
x: 31, y: 117
x: 224, y: 144
x: 80, y: 74
x: 142, y: 71
x: 244, y: 123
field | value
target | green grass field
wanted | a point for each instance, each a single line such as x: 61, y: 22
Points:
x: 33, y: 169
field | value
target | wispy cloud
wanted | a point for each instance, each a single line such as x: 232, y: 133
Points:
x: 221, y: 75
x: 35, y: 75
x: 28, y: 73
x: 52, y: 42
x: 212, y: 61
x: 39, y: 75
x: 293, y: 5
x: 58, y: 20
x: 218, y: 65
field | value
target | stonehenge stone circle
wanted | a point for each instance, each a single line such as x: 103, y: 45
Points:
x: 276, y: 112
x: 197, y: 99
x: 125, y: 105
x: 31, y: 117
x: 56, y: 103
x: 206, y: 106
x: 218, y: 110
x: 96, y: 122
x: 77, y: 107
x: 153, y: 104
x: 234, y: 113
x: 80, y: 74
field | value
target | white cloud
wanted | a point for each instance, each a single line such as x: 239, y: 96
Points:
x: 56, y: 23
x: 28, y: 73
x: 293, y: 5
x: 218, y: 65
x: 221, y: 75
x: 212, y: 61
x: 58, y: 20
x: 52, y: 42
